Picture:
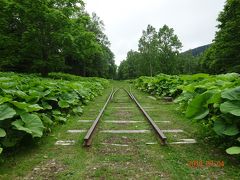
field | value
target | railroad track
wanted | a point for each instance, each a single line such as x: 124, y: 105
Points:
x: 90, y: 134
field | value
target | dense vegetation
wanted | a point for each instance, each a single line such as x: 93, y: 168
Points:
x: 159, y: 52
x: 50, y: 36
x: 156, y: 53
x: 211, y: 100
x: 224, y: 55
x: 198, y: 50
x: 53, y: 35
x: 30, y: 106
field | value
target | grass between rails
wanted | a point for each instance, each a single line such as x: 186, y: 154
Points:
x: 135, y: 161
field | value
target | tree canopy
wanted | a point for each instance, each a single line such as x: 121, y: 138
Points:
x: 224, y: 55
x: 157, y: 53
x: 53, y: 35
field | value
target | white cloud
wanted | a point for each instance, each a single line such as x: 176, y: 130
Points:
x: 194, y: 21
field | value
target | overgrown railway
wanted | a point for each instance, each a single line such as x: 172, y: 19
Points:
x: 90, y: 134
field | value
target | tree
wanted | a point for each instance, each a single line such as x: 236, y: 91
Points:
x: 224, y: 55
x: 123, y: 70
x: 186, y: 63
x: 159, y: 49
x: 39, y: 25
x: 168, y: 46
x: 147, y: 46
x: 157, y: 52
x: 53, y: 35
x: 11, y: 29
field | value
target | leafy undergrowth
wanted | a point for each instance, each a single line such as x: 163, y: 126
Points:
x: 138, y: 160
x: 213, y: 100
x: 30, y: 105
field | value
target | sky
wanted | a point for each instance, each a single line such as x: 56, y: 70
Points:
x: 193, y: 21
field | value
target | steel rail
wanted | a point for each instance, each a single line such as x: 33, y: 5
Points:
x: 89, y: 135
x: 129, y: 94
x: 153, y: 124
x: 114, y: 93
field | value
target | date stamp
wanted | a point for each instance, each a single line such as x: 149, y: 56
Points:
x: 208, y: 163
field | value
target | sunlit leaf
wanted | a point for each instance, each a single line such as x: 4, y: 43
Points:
x: 233, y: 150
x: 63, y: 104
x: 197, y: 108
x: 77, y: 109
x: 232, y: 94
x: 2, y: 133
x: 6, y: 112
x: 30, y: 123
x: 27, y: 107
x: 232, y: 107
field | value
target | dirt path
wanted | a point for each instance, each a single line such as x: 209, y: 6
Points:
x: 123, y: 155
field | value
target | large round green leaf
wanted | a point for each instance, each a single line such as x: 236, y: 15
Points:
x: 30, y: 123
x: 6, y: 112
x: 232, y: 107
x: 2, y: 133
x: 232, y: 94
x: 233, y: 150
x: 197, y: 108
x: 221, y: 127
x: 231, y: 130
x: 27, y: 107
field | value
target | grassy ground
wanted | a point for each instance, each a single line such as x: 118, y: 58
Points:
x: 141, y: 157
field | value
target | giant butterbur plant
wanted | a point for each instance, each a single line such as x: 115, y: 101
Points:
x: 213, y: 100
x: 30, y: 106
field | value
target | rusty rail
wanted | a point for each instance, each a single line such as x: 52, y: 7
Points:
x: 153, y: 124
x: 89, y: 135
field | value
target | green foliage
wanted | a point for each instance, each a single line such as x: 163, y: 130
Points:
x: 2, y: 133
x: 224, y: 54
x: 231, y: 107
x: 6, y: 112
x: 161, y: 85
x: 157, y: 53
x: 30, y: 123
x: 198, y: 107
x: 233, y: 150
x: 31, y: 105
x: 211, y: 100
x: 50, y: 36
x: 186, y: 63
x: 70, y: 77
x: 232, y: 94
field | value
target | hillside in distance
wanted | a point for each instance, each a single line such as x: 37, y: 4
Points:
x: 199, y: 50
